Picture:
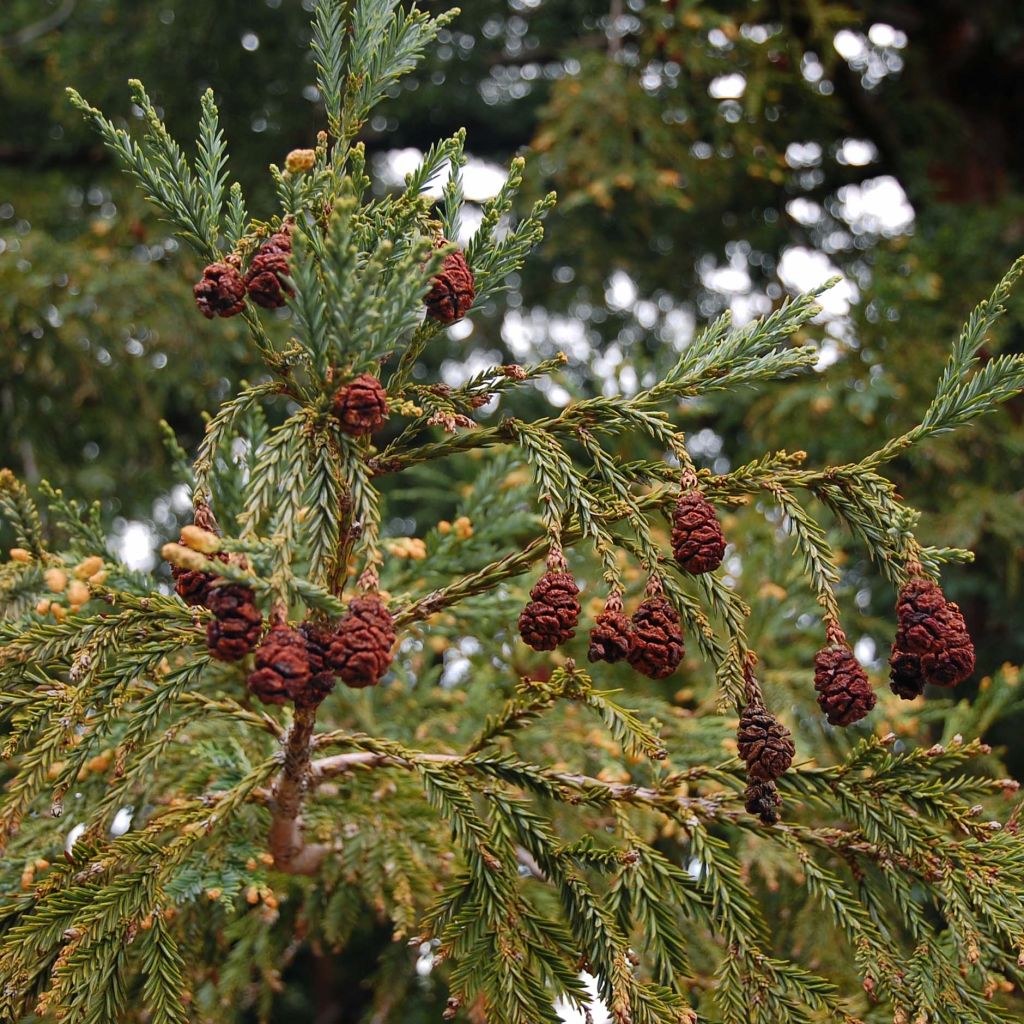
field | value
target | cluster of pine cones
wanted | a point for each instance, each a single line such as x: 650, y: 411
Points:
x: 651, y: 640
x: 222, y: 289
x: 300, y: 664
x: 297, y: 664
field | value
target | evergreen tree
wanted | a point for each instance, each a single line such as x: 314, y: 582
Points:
x: 334, y: 719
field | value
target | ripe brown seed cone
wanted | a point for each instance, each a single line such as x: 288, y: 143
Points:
x: 235, y: 628
x: 697, y: 539
x: 360, y: 648
x: 265, y: 279
x: 282, y: 667
x: 361, y: 406
x: 762, y: 798
x: 611, y: 636
x: 932, y: 644
x: 220, y: 291
x: 321, y: 680
x: 765, y: 744
x: 656, y: 646
x: 844, y: 691
x: 452, y: 290
x: 551, y: 616
x: 190, y: 585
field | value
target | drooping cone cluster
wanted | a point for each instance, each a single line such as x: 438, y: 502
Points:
x: 844, y: 691
x: 359, y: 650
x: 452, y: 290
x: 265, y: 280
x: 612, y: 635
x: 235, y: 628
x: 361, y: 406
x: 697, y: 539
x: 554, y: 609
x: 932, y: 644
x: 220, y: 291
x: 765, y: 744
x: 656, y: 647
x: 282, y: 667
x: 762, y: 799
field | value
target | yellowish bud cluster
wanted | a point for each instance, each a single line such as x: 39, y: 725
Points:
x: 186, y: 558
x: 408, y: 547
x: 462, y: 528
x: 199, y: 539
x: 299, y: 160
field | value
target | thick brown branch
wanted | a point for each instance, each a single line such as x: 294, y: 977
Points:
x: 288, y: 846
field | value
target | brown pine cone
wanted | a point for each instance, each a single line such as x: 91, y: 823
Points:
x: 610, y: 638
x: 765, y: 744
x: 762, y: 798
x: 220, y: 291
x: 453, y: 290
x: 697, y: 539
x: 321, y: 681
x: 279, y: 242
x: 191, y: 585
x: 360, y: 648
x: 551, y: 616
x: 264, y: 281
x: 361, y: 405
x: 932, y: 644
x: 844, y: 692
x: 657, y: 646
x: 282, y: 667
x: 235, y: 629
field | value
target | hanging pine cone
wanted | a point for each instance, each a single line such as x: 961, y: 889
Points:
x: 360, y: 648
x: 765, y: 744
x: 235, y: 628
x: 452, y: 289
x: 656, y: 646
x: 551, y: 616
x: 361, y: 405
x: 844, y: 692
x: 611, y: 635
x: 265, y: 279
x: 282, y: 667
x: 932, y: 644
x: 220, y: 291
x: 321, y: 680
x: 697, y: 539
x: 762, y: 798
x: 191, y: 585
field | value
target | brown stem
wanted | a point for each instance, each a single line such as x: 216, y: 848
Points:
x: 288, y: 846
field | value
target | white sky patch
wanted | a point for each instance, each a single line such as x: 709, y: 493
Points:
x: 598, y: 1011
x: 526, y: 334
x: 727, y: 87
x: 481, y: 179
x: 804, y: 211
x: 730, y: 280
x: 884, y: 35
x: 621, y: 291
x: 857, y: 152
x: 878, y: 206
x: 850, y: 45
x: 802, y: 269
x: 866, y: 651
x: 803, y: 154
x: 134, y: 546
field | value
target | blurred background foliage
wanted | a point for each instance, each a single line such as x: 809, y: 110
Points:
x: 708, y: 156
